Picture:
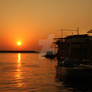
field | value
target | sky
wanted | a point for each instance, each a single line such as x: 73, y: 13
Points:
x: 31, y: 21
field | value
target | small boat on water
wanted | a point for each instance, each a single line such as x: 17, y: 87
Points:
x: 50, y: 55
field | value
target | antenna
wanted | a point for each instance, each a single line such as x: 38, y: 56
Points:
x: 62, y: 33
x: 77, y: 31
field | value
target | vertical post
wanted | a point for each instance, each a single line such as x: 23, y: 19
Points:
x: 78, y: 31
x: 61, y: 33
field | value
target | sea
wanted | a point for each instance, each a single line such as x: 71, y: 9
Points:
x: 30, y: 72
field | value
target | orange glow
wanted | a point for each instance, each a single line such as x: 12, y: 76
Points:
x: 19, y: 43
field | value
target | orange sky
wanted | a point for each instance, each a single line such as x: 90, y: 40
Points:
x: 32, y: 20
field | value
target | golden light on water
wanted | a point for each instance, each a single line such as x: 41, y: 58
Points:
x: 19, y: 58
x: 19, y: 62
x: 18, y: 71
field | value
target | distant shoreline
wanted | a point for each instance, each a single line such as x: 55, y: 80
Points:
x: 19, y: 52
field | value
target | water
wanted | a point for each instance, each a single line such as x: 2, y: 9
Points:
x: 30, y: 73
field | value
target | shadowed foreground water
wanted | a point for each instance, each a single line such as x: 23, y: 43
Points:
x: 31, y: 73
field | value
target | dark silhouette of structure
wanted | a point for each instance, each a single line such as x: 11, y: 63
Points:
x: 74, y: 49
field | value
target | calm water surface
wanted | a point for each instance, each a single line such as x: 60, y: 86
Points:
x: 30, y: 73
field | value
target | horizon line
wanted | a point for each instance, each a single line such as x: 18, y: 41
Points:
x: 18, y: 51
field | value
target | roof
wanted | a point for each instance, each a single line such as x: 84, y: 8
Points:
x: 77, y: 36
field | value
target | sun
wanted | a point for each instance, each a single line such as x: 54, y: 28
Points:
x: 19, y: 43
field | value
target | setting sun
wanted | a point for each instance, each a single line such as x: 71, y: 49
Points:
x: 19, y: 43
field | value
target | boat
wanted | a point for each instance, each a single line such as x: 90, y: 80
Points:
x: 74, y: 50
x: 50, y: 55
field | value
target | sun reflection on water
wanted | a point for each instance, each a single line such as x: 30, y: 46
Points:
x: 19, y: 61
x: 19, y: 72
